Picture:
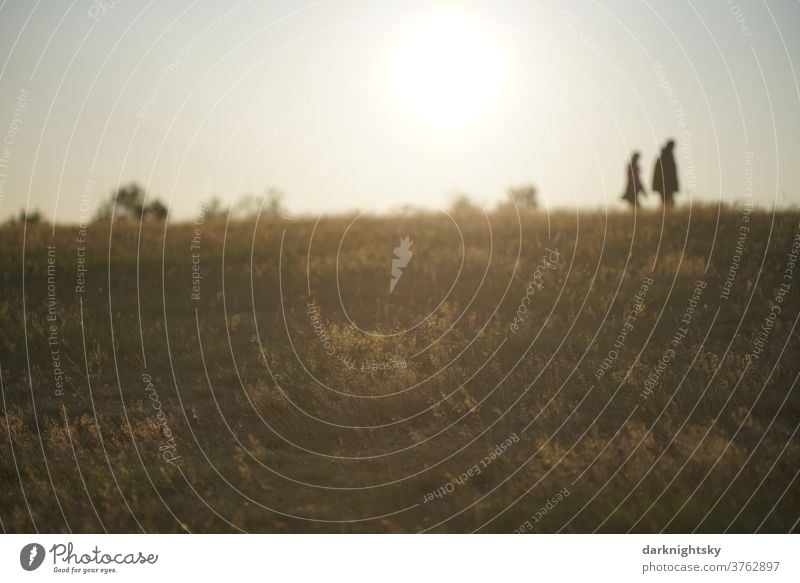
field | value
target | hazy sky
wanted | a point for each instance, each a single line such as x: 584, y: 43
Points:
x: 341, y: 104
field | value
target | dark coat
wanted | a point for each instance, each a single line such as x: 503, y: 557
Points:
x: 634, y: 185
x: 665, y: 176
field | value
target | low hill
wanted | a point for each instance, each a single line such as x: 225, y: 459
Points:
x: 570, y: 371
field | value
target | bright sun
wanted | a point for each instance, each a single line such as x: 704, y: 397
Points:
x: 448, y: 70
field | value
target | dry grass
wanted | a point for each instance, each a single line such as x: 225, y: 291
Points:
x: 275, y: 434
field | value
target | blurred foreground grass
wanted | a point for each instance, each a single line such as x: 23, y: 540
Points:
x: 294, y: 393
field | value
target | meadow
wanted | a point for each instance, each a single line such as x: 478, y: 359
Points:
x: 571, y: 371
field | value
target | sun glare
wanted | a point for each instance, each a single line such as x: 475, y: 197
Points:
x: 448, y: 71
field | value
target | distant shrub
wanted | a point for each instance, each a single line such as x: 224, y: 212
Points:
x: 129, y: 202
x: 525, y: 196
x: 251, y: 205
x: 30, y: 217
x: 462, y: 203
x: 156, y: 210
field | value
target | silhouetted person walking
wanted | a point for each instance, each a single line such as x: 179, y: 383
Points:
x: 665, y: 176
x: 634, y: 186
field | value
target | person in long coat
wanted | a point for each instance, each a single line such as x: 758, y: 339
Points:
x: 665, y: 175
x: 634, y: 185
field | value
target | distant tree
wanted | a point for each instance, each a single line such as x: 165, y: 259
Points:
x: 250, y: 205
x: 156, y: 210
x: 274, y: 202
x: 525, y: 196
x: 462, y: 203
x: 214, y: 209
x: 247, y: 205
x: 128, y: 201
x: 31, y: 217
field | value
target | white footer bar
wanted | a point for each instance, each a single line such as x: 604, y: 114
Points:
x: 400, y: 558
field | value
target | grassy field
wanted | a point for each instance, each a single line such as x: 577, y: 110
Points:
x: 570, y: 372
